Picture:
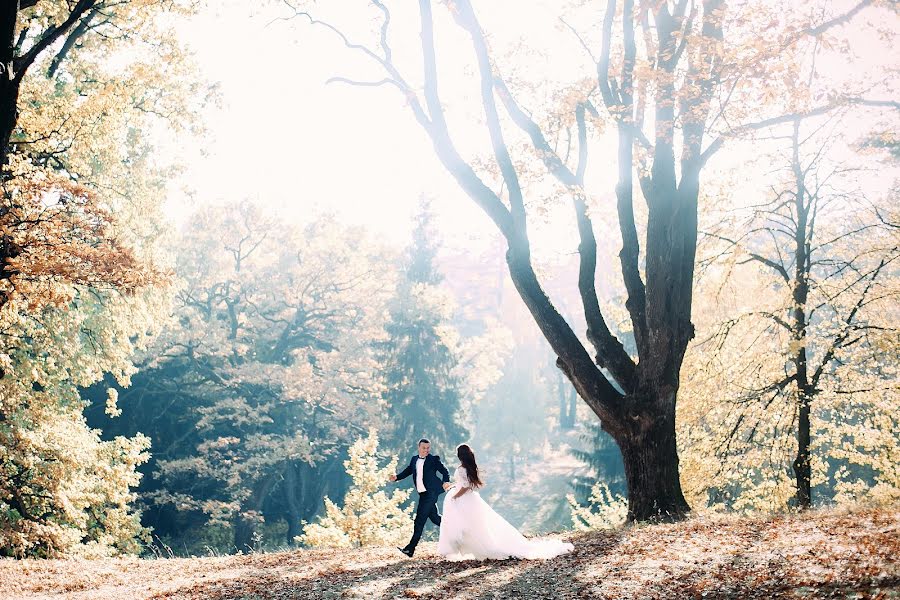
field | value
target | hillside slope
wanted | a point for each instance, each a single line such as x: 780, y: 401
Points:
x: 824, y: 553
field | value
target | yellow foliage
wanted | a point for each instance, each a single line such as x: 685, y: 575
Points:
x: 369, y: 516
x: 83, y: 281
x: 605, y: 510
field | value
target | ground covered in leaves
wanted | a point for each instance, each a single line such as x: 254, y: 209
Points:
x: 821, y: 554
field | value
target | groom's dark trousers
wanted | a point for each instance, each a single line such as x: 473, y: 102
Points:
x: 434, y: 476
x: 427, y: 509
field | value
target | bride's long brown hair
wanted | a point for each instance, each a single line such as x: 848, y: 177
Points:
x: 467, y: 458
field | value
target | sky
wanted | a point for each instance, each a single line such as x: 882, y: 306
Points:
x: 284, y: 137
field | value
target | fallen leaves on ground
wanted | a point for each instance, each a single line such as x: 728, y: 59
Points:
x: 820, y: 554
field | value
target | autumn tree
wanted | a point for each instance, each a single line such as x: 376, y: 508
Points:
x: 800, y: 359
x: 272, y: 356
x: 43, y: 34
x: 82, y: 287
x: 64, y: 490
x: 64, y: 133
x: 692, y: 73
x: 21, y: 47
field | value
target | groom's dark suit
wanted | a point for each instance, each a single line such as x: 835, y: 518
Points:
x: 434, y: 487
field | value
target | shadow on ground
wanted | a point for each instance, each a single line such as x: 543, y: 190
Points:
x: 824, y: 554
x: 427, y: 576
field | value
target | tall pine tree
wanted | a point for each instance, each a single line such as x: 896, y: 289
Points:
x: 422, y: 392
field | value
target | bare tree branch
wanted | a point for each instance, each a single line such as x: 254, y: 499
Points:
x: 610, y: 352
x: 841, y: 338
x: 789, y: 118
x: 838, y: 20
x: 379, y: 83
x: 466, y: 18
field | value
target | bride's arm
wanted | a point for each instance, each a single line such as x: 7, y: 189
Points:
x: 462, y: 483
x: 461, y: 492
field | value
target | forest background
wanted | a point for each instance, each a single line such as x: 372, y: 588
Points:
x: 223, y: 274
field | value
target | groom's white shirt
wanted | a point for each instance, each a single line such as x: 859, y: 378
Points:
x: 420, y: 477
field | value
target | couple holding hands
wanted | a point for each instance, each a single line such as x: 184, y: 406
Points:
x: 469, y: 527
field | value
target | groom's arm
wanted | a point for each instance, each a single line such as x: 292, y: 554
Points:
x: 442, y: 469
x: 405, y: 472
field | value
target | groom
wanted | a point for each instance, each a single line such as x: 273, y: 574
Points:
x: 425, y: 468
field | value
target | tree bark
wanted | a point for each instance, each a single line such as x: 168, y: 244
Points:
x: 244, y: 522
x: 294, y: 512
x: 800, y: 296
x: 650, y: 457
x: 14, y: 67
x: 9, y: 83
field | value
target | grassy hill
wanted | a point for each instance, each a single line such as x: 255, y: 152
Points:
x: 824, y: 553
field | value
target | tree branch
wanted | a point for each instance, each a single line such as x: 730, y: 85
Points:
x: 466, y: 18
x: 610, y: 352
x: 22, y: 63
x: 839, y: 20
x: 381, y: 82
x: 839, y: 340
x: 791, y: 117
x: 443, y: 145
x: 770, y: 263
x: 432, y: 122
x: 603, y: 63
x: 629, y: 255
x: 70, y: 42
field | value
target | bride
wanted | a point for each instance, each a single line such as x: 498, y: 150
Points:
x: 470, y: 529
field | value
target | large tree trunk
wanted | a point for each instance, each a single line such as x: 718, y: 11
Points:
x: 642, y: 424
x: 9, y: 83
x: 294, y: 511
x: 650, y: 457
x: 246, y: 520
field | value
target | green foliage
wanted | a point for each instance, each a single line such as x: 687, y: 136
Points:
x: 271, y: 354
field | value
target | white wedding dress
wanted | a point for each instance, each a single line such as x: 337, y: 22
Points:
x: 471, y: 530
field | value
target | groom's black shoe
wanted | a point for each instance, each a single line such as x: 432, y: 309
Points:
x: 406, y: 551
